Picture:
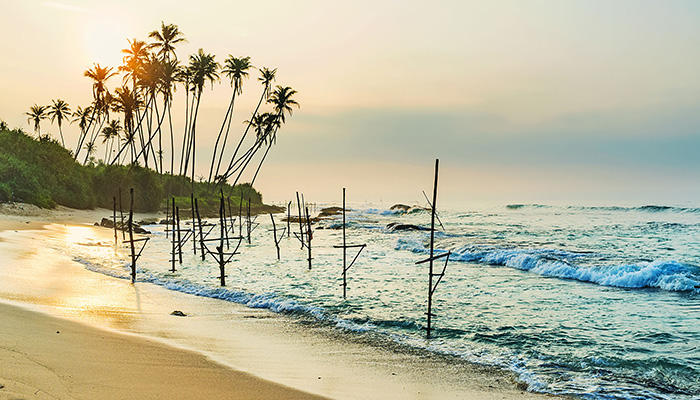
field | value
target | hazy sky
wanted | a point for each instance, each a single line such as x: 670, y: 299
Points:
x: 523, y: 101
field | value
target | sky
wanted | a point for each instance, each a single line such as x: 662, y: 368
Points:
x: 577, y: 102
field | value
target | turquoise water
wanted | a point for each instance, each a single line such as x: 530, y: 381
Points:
x: 599, y: 302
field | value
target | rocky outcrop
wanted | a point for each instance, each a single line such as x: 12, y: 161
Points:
x: 108, y: 223
x: 394, y: 226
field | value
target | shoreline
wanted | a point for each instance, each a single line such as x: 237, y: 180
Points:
x: 269, y: 346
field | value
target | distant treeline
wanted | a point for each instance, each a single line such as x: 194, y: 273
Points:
x: 42, y: 172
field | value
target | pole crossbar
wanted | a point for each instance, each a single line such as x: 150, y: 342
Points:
x: 434, y: 258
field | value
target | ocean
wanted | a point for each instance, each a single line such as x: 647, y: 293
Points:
x: 598, y: 302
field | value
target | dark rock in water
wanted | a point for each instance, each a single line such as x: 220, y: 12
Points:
x: 405, y: 227
x: 166, y: 222
x: 96, y: 224
x: 149, y: 221
x: 330, y: 211
x: 400, y: 207
x: 107, y: 223
x: 178, y: 313
x: 138, y: 229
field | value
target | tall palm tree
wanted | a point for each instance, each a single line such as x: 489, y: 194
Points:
x: 267, y: 76
x: 165, y: 41
x: 170, y: 71
x: 100, y: 76
x: 203, y: 68
x: 36, y: 114
x: 236, y: 69
x: 150, y: 83
x: 59, y: 111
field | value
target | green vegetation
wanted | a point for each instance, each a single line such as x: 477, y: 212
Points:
x: 42, y: 172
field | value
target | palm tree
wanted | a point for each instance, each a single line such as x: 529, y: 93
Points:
x: 267, y: 76
x: 150, y: 83
x: 282, y: 102
x: 83, y: 118
x: 128, y: 103
x: 170, y: 71
x: 166, y: 39
x: 91, y: 149
x: 100, y: 76
x: 36, y: 114
x: 109, y: 133
x: 59, y: 111
x: 236, y: 69
x: 203, y: 68
x: 134, y: 58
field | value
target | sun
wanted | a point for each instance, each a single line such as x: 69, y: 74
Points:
x: 104, y: 39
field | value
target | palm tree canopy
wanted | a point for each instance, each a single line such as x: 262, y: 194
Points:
x: 36, y: 114
x: 133, y: 59
x: 166, y: 39
x: 82, y: 117
x: 267, y: 76
x: 203, y: 68
x: 59, y: 111
x: 100, y: 76
x: 236, y: 69
x: 282, y: 101
x: 126, y: 102
x: 110, y: 131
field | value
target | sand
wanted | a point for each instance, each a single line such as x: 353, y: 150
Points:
x: 118, y: 340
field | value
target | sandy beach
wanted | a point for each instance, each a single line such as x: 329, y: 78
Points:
x: 70, y: 333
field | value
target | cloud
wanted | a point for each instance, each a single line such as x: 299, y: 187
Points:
x: 66, y: 7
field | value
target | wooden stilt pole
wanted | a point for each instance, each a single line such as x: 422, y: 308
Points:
x: 274, y: 236
x: 199, y: 224
x: 121, y: 215
x: 301, y: 226
x: 220, y: 248
x: 167, y: 212
x: 345, y: 248
x: 248, y: 222
x: 175, y: 241
x: 308, y: 227
x: 131, y: 237
x: 289, y: 217
x: 114, y: 218
x: 179, y: 236
x: 194, y: 236
x: 432, y: 248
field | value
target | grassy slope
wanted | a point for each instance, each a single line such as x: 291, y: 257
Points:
x: 43, y: 173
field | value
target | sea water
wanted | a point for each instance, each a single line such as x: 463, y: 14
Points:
x: 598, y: 302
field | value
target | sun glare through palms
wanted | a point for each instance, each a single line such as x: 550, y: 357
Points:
x: 104, y: 38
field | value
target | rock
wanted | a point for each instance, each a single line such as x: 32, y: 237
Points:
x: 165, y: 222
x: 138, y: 229
x: 330, y: 211
x: 399, y: 207
x: 394, y: 226
x: 107, y: 223
x: 178, y: 313
x: 149, y: 221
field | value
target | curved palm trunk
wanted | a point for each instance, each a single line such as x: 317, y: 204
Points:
x: 82, y: 137
x: 60, y: 131
x: 269, y: 146
x: 228, y: 117
x: 229, y: 172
